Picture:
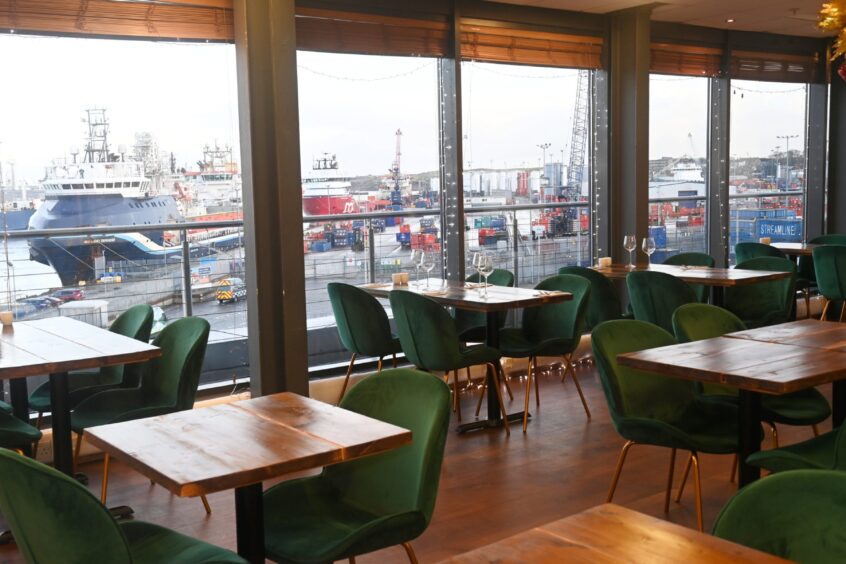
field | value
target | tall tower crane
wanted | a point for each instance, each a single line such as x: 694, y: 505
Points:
x: 578, y: 139
x: 395, y: 167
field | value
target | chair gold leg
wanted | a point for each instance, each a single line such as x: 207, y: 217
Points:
x: 807, y: 296
x: 774, y: 432
x: 620, y: 460
x: 410, y: 552
x: 581, y: 395
x: 352, y: 559
x: 734, y: 464
x: 826, y: 303
x: 529, y: 372
x: 206, y: 505
x: 568, y: 367
x: 684, y: 479
x: 394, y: 357
x: 38, y: 419
x: 496, y: 383
x: 346, y: 378
x: 481, y: 396
x: 469, y: 378
x: 456, y: 403
x: 104, y: 488
x: 697, y: 483
x: 669, y: 481
x: 76, y: 451
x: 379, y: 365
x: 507, y: 385
x: 816, y: 429
x: 842, y: 311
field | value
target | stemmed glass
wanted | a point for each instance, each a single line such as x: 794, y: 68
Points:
x: 477, y: 261
x: 416, y: 257
x: 486, y: 267
x: 630, y: 244
x: 427, y: 262
x: 648, y: 248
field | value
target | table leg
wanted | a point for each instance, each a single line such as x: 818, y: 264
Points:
x: 838, y: 403
x: 249, y: 522
x: 749, y: 435
x: 717, y: 296
x: 494, y: 418
x: 18, y: 395
x: 60, y: 413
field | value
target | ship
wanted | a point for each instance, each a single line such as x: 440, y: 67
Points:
x: 326, y: 191
x: 104, y: 189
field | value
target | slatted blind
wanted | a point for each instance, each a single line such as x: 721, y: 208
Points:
x: 371, y: 34
x: 501, y: 42
x: 779, y: 67
x: 185, y: 19
x: 688, y: 60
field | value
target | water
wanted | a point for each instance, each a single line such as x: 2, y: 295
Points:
x: 25, y: 277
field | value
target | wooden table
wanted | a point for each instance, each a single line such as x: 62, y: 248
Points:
x: 797, y: 249
x: 610, y: 533
x: 238, y: 445
x: 717, y: 278
x: 463, y: 295
x: 779, y: 359
x: 55, y: 346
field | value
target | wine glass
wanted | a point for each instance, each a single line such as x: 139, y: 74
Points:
x: 477, y: 260
x: 648, y: 248
x: 427, y: 262
x: 415, y: 258
x: 486, y: 267
x: 630, y: 244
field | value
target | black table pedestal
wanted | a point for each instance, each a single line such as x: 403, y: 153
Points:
x: 249, y: 522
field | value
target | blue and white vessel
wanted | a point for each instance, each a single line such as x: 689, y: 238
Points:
x: 104, y: 189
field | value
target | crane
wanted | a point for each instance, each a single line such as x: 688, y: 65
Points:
x: 395, y: 168
x: 578, y: 139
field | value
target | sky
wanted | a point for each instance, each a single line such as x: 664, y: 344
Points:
x: 350, y: 106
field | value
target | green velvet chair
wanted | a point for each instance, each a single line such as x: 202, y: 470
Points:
x: 749, y: 250
x: 693, y: 259
x: 472, y: 325
x: 363, y: 326
x: 55, y: 519
x: 658, y: 410
x: 830, y: 269
x: 798, y: 516
x: 655, y: 296
x: 430, y: 341
x: 16, y: 434
x: 603, y: 302
x: 136, y: 323
x: 806, y: 263
x: 550, y: 330
x: 370, y: 503
x: 693, y: 322
x: 168, y: 384
x: 764, y: 303
x: 825, y: 452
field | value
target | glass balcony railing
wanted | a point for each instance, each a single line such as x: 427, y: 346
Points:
x: 677, y: 225
x: 778, y: 215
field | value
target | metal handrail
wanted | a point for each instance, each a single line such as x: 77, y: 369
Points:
x: 670, y: 199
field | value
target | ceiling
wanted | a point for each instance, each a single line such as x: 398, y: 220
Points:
x: 790, y: 17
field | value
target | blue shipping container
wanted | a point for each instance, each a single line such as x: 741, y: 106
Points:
x: 780, y: 230
x: 320, y: 246
x: 659, y: 233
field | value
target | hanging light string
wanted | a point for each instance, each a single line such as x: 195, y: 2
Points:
x: 496, y: 69
x: 368, y: 78
x: 755, y: 91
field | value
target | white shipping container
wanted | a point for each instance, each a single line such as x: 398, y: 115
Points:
x: 95, y: 312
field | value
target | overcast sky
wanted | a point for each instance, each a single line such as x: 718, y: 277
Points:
x: 351, y: 106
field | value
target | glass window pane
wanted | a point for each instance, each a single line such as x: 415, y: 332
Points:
x: 678, y: 133
x: 767, y: 177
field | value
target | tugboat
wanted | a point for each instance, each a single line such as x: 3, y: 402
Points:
x: 104, y: 189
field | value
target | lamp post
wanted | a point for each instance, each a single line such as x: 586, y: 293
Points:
x: 543, y: 147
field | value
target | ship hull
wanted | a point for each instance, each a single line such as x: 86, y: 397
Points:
x: 73, y: 257
x: 18, y: 220
x: 329, y: 205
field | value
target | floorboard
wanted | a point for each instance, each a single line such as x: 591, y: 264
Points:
x: 492, y: 486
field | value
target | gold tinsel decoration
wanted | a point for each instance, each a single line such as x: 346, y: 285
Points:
x: 833, y: 18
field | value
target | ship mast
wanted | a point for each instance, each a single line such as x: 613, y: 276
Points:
x: 97, y: 145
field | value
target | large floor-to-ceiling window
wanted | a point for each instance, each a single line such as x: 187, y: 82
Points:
x: 678, y: 187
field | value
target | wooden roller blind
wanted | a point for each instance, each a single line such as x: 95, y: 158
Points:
x: 486, y: 40
x: 779, y: 67
x: 689, y: 60
x: 180, y: 19
x: 370, y: 34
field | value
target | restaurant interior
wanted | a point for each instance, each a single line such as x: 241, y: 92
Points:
x: 487, y: 412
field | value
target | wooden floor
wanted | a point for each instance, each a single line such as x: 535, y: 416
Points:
x: 492, y: 486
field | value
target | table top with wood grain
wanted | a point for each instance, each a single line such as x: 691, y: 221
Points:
x: 610, y: 533
x: 232, y: 445
x: 797, y: 249
x: 760, y: 366
x: 468, y: 296
x: 812, y: 333
x: 704, y: 275
x: 62, y: 344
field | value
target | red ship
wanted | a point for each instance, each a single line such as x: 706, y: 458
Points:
x: 325, y: 192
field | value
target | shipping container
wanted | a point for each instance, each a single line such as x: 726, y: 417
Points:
x: 659, y: 233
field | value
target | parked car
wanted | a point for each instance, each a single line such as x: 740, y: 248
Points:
x: 38, y: 302
x: 231, y: 290
x: 69, y: 294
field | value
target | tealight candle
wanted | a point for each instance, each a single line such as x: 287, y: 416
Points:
x: 765, y: 240
x: 6, y: 317
x: 396, y: 278
x: 604, y: 262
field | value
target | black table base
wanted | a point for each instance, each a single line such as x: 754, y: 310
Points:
x: 749, y: 429
x: 490, y: 423
x: 249, y: 522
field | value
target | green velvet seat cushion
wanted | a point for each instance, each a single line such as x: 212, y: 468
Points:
x: 748, y: 250
x: 764, y: 303
x: 805, y: 407
x: 5, y: 407
x: 80, y: 386
x: 149, y: 543
x: 319, y: 525
x: 514, y: 343
x: 15, y: 433
x: 114, y: 406
x: 363, y: 325
x: 794, y: 515
x: 693, y: 259
x: 818, y: 453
